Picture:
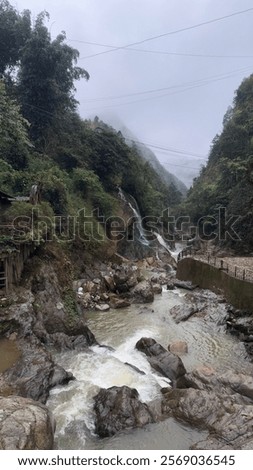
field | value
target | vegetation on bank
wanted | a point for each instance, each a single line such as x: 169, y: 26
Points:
x: 79, y: 164
x: 227, y: 179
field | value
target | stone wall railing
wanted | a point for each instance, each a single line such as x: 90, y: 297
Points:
x: 238, y: 272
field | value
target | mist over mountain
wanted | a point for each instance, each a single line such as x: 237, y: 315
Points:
x: 148, y: 155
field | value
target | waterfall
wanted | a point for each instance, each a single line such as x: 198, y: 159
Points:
x: 131, y: 202
x: 174, y: 253
x: 137, y: 216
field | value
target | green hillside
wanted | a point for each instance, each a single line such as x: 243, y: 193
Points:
x: 227, y: 179
x: 43, y: 140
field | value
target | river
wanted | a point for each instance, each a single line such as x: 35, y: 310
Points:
x: 72, y: 405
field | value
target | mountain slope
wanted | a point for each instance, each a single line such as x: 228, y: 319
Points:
x: 227, y: 179
x: 148, y: 155
x: 167, y: 177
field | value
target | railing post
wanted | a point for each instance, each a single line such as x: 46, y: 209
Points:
x: 243, y: 275
x: 221, y: 263
x: 235, y: 270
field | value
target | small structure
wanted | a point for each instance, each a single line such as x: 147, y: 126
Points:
x: 5, y: 200
x: 12, y: 255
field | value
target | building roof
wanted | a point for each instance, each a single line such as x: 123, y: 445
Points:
x: 5, y: 196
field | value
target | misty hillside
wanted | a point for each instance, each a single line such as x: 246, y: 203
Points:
x: 167, y: 177
x: 227, y: 179
x: 148, y: 155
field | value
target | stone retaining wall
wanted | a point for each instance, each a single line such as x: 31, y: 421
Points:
x: 236, y: 291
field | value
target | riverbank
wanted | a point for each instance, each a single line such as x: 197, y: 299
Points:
x: 60, y: 337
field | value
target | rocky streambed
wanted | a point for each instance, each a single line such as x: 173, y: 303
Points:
x: 142, y: 359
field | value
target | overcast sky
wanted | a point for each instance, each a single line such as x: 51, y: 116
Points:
x: 187, y: 114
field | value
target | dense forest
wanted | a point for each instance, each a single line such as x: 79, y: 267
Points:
x: 227, y: 179
x: 43, y: 140
x: 82, y: 163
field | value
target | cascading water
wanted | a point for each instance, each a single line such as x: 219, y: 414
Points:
x: 136, y: 212
x: 121, y: 364
x: 101, y: 367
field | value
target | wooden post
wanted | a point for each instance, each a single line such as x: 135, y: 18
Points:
x: 221, y: 263
x: 235, y: 270
x: 243, y: 275
x: 6, y: 275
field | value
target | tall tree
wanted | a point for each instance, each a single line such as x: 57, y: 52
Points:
x: 46, y: 78
x: 15, y: 29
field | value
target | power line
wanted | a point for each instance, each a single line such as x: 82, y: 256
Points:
x: 169, y: 33
x: 182, y: 166
x: 168, y: 149
x: 182, y: 85
x: 180, y: 54
x: 171, y: 150
x: 187, y: 88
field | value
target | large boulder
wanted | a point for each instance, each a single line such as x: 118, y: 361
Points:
x: 228, y: 422
x: 125, y: 277
x: 143, y: 292
x: 185, y: 285
x: 34, y: 373
x: 240, y: 323
x: 109, y: 282
x: 229, y: 383
x: 165, y: 362
x: 117, y: 302
x: 157, y: 288
x: 183, y: 312
x: 221, y: 404
x: 119, y: 408
x: 55, y: 308
x: 25, y: 425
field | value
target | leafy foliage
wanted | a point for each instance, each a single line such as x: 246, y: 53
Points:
x: 14, y: 142
x: 46, y: 78
x: 78, y: 164
x: 14, y: 32
x: 227, y: 179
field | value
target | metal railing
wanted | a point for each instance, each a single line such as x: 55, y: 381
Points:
x: 238, y: 272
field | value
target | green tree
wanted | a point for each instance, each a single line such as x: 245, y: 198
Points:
x: 46, y: 79
x: 15, y: 29
x: 14, y: 142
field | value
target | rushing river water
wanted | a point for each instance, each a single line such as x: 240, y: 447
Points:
x: 100, y: 367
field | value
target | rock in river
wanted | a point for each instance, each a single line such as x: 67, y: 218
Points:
x: 25, y: 425
x: 119, y: 408
x: 221, y: 404
x: 183, y: 312
x: 178, y: 347
x: 168, y: 364
x: 143, y: 292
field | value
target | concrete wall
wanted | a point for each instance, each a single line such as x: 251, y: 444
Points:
x: 237, y: 292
